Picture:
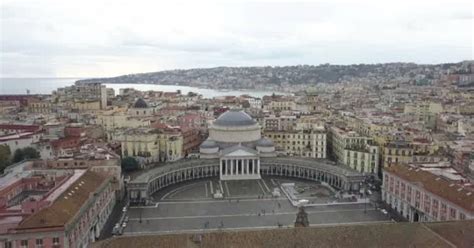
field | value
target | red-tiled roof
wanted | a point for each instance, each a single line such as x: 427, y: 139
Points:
x: 446, y: 234
x: 66, y: 206
x: 463, y: 197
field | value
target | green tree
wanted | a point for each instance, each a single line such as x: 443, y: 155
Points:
x: 18, y: 155
x: 25, y: 153
x: 5, y: 157
x: 31, y: 153
x: 192, y: 94
x: 129, y: 164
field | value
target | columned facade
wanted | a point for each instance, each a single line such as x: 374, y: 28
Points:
x: 240, y: 167
x: 235, y: 168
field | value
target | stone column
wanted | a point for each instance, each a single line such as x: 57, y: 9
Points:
x: 221, y: 170
x: 241, y: 166
x: 232, y: 167
x: 237, y: 166
x: 246, y: 166
x: 258, y: 166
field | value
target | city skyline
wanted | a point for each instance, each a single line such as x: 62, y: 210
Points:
x: 109, y: 39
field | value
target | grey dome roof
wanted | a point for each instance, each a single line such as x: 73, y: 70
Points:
x: 140, y: 103
x: 264, y: 142
x: 234, y: 117
x: 208, y: 144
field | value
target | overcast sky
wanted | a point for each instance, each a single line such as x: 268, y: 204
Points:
x: 48, y: 38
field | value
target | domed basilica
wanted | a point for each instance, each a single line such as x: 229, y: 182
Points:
x: 235, y: 138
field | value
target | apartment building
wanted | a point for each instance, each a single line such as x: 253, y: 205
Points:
x: 419, y: 195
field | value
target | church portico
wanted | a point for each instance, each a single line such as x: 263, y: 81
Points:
x: 239, y: 168
x: 239, y: 163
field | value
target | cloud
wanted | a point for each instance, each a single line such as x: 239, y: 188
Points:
x: 108, y: 38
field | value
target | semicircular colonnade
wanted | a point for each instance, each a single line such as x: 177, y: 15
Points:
x: 143, y: 186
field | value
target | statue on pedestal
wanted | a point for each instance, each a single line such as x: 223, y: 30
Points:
x: 301, y: 218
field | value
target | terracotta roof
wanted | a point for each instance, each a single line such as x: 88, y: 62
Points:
x: 446, y: 234
x: 66, y: 206
x: 443, y: 188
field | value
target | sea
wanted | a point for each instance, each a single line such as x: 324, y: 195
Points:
x: 9, y: 86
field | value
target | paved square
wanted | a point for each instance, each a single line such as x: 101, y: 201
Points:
x: 190, y: 207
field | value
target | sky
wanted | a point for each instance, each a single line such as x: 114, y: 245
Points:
x: 94, y: 38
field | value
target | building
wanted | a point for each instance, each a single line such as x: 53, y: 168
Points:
x: 354, y: 150
x: 45, y: 206
x: 363, y: 158
x: 302, y: 143
x: 420, y: 195
x: 191, y: 140
x: 141, y: 109
x: 150, y: 145
x: 425, y: 112
x: 235, y: 138
x: 397, y: 152
x: 83, y: 92
x: 139, y: 142
x: 115, y: 119
x: 19, y: 136
x: 285, y: 123
x: 74, y: 217
x: 281, y: 104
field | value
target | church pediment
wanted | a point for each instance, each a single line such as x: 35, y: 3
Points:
x: 239, y: 151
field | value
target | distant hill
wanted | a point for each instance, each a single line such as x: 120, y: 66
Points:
x: 258, y: 77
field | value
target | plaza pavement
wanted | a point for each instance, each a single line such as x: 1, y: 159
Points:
x: 190, y: 207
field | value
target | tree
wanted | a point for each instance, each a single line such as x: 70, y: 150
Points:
x: 18, y: 155
x: 129, y: 164
x: 192, y: 94
x: 5, y: 157
x: 25, y: 153
x: 31, y: 153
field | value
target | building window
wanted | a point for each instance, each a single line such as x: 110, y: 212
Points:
x: 55, y: 242
x: 8, y: 244
x: 24, y: 243
x: 39, y: 243
x: 452, y: 213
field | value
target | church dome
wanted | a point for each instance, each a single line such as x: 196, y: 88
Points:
x: 140, y: 103
x: 208, y: 144
x: 234, y: 117
x: 264, y: 142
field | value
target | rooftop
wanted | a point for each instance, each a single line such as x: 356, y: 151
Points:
x: 460, y: 196
x: 234, y: 117
x: 66, y: 206
x: 140, y: 103
x: 443, y: 234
